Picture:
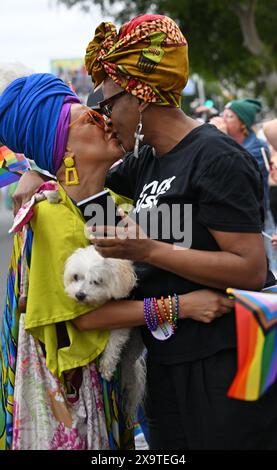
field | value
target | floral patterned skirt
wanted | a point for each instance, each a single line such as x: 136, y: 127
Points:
x: 50, y: 415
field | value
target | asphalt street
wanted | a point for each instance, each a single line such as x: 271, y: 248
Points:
x: 5, y: 249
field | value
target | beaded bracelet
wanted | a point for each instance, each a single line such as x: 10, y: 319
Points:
x: 157, y: 310
x: 168, y: 317
x: 170, y: 309
x: 160, y: 319
x: 173, y: 316
x: 155, y: 319
x: 149, y: 319
x: 176, y: 312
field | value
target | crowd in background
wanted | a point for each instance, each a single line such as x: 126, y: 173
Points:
x: 230, y: 183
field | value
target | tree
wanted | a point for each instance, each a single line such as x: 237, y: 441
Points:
x: 234, y: 41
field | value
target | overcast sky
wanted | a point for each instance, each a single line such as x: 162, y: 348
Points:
x: 35, y: 31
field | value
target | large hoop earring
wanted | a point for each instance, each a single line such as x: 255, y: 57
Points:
x: 138, y: 136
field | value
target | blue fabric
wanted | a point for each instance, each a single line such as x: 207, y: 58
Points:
x: 141, y: 416
x: 29, y: 113
x: 253, y: 145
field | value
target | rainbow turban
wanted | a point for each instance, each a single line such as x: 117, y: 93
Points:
x: 34, y: 117
x: 148, y: 58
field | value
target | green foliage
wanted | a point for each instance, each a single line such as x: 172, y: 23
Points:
x: 84, y: 4
x: 214, y: 34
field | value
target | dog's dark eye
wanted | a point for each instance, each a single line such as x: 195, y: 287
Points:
x: 75, y: 277
x: 97, y: 283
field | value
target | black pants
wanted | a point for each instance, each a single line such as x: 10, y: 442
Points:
x: 187, y: 408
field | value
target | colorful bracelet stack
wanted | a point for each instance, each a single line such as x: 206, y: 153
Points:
x: 161, y: 326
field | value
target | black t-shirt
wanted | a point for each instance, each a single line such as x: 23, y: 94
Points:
x: 223, y: 184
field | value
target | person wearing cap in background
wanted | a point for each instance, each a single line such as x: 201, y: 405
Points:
x: 143, y: 69
x: 237, y: 120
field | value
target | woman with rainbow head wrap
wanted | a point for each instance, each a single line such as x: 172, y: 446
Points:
x: 195, y: 235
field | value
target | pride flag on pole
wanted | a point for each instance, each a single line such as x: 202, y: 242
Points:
x: 256, y: 323
x: 12, y: 166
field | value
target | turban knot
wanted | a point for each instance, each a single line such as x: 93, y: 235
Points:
x: 148, y: 58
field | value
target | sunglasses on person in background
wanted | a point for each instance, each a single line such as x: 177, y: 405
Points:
x: 90, y: 117
x: 107, y: 105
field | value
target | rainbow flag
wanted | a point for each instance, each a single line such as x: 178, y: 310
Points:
x: 12, y: 166
x: 256, y: 324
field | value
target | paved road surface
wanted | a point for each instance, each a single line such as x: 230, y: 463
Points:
x: 5, y: 249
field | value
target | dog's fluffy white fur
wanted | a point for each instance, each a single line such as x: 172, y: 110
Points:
x: 91, y: 279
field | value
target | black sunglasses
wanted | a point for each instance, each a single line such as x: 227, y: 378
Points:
x: 106, y: 106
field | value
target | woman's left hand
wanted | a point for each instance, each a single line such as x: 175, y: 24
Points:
x: 126, y: 242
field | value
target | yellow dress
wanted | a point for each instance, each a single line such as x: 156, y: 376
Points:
x: 58, y: 231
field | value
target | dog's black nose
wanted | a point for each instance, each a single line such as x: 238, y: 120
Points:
x: 80, y: 296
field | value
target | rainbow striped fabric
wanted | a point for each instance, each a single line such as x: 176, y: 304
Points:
x: 256, y: 323
x: 8, y: 342
x: 12, y: 166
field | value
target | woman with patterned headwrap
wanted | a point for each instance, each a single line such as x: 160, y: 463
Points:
x: 199, y: 171
x: 143, y: 70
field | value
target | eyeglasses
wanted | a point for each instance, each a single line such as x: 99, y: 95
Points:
x: 107, y: 105
x: 92, y: 117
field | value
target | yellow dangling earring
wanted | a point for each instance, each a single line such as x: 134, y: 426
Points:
x: 71, y: 175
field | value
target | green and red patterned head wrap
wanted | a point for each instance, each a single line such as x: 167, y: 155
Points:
x: 148, y: 58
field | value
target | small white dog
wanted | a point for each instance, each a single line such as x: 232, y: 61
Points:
x: 91, y: 279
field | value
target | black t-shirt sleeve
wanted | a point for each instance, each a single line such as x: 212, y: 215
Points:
x: 230, y: 194
x: 122, y: 178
